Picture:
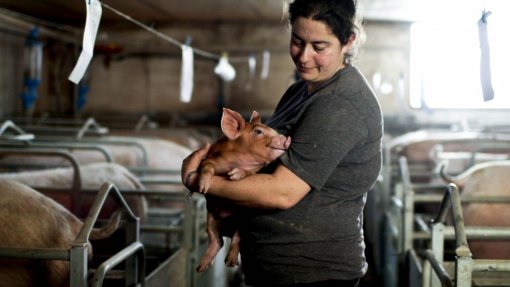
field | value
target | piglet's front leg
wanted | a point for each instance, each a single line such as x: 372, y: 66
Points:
x: 205, y: 179
x: 238, y: 173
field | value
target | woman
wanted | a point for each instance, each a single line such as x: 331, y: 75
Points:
x: 302, y: 218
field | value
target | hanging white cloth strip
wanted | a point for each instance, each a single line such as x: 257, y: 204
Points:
x: 94, y: 11
x: 252, y: 66
x: 485, y: 58
x: 186, y: 74
x: 264, y: 73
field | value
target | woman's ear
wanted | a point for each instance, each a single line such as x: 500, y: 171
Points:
x: 352, y: 39
x: 348, y: 45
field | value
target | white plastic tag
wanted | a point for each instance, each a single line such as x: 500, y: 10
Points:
x: 186, y: 74
x: 94, y: 11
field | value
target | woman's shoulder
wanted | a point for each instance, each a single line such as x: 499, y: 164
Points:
x: 352, y: 88
x: 352, y: 82
x: 351, y: 74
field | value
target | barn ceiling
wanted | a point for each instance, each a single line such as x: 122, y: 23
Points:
x: 72, y: 12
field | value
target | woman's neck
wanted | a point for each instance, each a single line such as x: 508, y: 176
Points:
x: 314, y: 86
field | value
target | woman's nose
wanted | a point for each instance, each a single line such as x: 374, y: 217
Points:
x: 305, y: 54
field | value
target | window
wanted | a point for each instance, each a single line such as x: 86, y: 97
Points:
x: 445, y: 58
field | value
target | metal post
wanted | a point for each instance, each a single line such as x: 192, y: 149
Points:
x: 437, y: 249
x: 408, y: 205
x: 78, y: 265
x: 463, y: 271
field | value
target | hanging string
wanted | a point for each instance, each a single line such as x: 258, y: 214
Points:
x: 170, y: 39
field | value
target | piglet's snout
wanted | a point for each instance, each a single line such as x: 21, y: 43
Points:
x: 280, y: 142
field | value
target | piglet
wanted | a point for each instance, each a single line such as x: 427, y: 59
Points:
x: 244, y: 149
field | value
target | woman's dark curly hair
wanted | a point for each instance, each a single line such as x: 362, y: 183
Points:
x: 339, y: 15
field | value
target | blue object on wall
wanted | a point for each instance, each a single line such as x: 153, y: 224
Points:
x: 33, y: 66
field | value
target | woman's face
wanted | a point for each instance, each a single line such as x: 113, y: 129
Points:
x: 316, y: 51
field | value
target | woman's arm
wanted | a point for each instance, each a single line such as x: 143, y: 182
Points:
x: 280, y: 190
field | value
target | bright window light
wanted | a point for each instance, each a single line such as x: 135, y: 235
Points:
x: 445, y: 59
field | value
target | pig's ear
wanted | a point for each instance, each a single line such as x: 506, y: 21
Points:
x: 255, y: 118
x: 232, y: 123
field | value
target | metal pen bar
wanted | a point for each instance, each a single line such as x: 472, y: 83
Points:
x: 145, y: 156
x: 76, y: 187
x: 20, y: 133
x: 425, y: 198
x: 161, y: 229
x: 408, y: 200
x: 483, y: 265
x: 441, y: 273
x: 146, y: 171
x: 472, y: 232
x: 79, y: 146
x: 458, y: 220
x: 135, y: 248
x: 99, y: 201
x: 34, y: 253
x: 91, y: 125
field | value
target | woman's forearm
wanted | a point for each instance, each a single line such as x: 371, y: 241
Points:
x: 280, y: 190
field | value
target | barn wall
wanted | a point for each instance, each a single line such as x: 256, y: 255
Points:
x: 148, y: 81
x: 145, y: 76
x: 11, y: 48
x: 137, y: 73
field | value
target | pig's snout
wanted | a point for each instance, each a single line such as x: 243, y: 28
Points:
x: 287, y: 143
x: 280, y: 142
x: 279, y: 145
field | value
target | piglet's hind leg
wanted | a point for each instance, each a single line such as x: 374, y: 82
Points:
x: 215, y: 243
x: 233, y: 253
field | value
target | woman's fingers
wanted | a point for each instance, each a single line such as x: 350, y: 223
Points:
x: 192, y: 162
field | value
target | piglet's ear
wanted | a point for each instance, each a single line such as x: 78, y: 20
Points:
x: 255, y: 118
x: 232, y: 123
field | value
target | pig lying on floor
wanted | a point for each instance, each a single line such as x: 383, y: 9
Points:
x: 490, y: 178
x: 244, y: 150
x: 31, y: 220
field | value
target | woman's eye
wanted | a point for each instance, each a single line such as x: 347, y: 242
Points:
x: 319, y: 49
x: 296, y: 42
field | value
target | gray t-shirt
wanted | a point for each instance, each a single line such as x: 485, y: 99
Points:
x: 336, y: 148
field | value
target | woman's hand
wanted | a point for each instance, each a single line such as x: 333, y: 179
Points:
x: 190, y: 164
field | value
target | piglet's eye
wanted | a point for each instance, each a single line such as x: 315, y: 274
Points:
x: 257, y: 131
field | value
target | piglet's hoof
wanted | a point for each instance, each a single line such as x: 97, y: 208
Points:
x: 204, y: 185
x: 231, y: 261
x: 203, y: 266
